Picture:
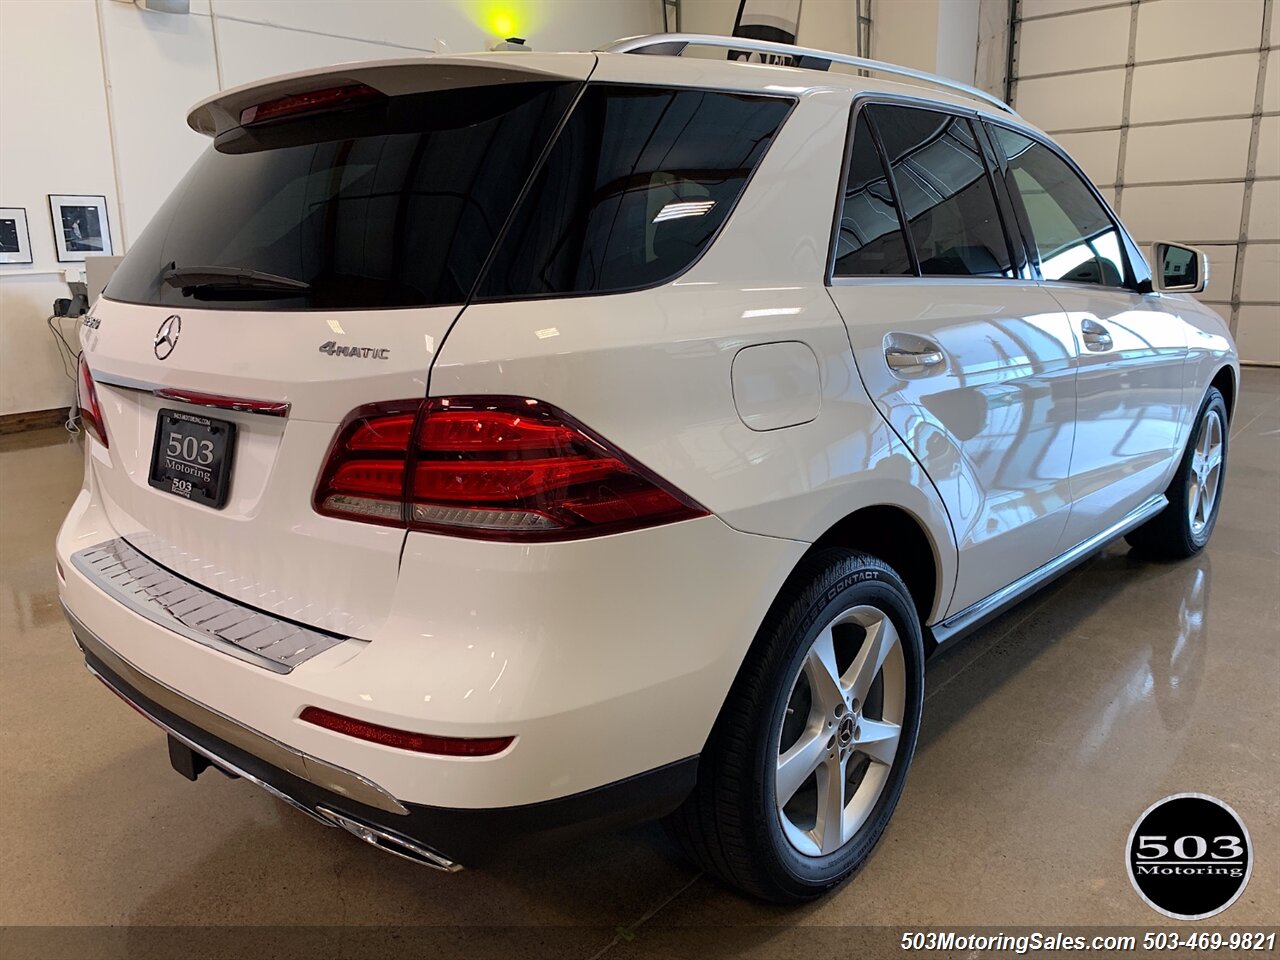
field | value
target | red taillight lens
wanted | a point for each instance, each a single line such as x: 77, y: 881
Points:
x: 405, y: 739
x: 87, y: 402
x: 500, y: 468
x: 312, y: 102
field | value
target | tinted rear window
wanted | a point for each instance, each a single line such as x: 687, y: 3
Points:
x: 634, y: 189
x: 400, y: 204
x: 396, y: 205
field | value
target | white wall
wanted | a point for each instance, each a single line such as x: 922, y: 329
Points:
x: 94, y: 96
x: 1176, y: 139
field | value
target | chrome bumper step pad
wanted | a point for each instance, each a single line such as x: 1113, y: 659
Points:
x: 177, y: 604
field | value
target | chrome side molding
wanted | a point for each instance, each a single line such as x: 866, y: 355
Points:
x: 975, y: 615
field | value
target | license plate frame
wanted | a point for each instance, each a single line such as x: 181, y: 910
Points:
x: 200, y: 480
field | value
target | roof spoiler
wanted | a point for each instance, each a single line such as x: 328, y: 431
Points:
x: 221, y: 112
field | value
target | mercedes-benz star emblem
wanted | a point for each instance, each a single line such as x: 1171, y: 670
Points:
x: 167, y: 336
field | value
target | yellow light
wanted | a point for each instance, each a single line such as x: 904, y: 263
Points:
x: 501, y: 19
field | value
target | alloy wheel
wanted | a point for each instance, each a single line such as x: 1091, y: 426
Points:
x: 840, y: 731
x: 1206, y: 472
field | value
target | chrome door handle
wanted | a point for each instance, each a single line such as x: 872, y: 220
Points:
x: 912, y: 361
x: 1095, y: 335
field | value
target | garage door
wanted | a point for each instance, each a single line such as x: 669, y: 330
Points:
x: 1173, y: 109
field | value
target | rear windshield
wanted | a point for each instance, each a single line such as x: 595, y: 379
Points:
x: 401, y: 216
x: 406, y: 213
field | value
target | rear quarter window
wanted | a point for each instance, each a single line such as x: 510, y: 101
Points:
x: 634, y: 189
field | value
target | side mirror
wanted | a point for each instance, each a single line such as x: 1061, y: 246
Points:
x: 1179, y: 269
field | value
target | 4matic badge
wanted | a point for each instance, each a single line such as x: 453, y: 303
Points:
x: 335, y: 349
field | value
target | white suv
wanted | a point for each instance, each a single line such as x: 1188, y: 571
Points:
x: 488, y: 448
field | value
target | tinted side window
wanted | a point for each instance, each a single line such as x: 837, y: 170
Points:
x: 869, y: 240
x: 635, y: 187
x: 942, y: 184
x: 1074, y: 236
x: 391, y: 205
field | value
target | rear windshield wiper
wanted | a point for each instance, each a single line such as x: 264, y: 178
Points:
x: 232, y: 279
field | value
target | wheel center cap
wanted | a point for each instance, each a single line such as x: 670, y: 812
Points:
x: 845, y: 733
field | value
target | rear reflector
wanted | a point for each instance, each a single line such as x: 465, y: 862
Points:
x: 306, y: 104
x: 498, y: 468
x: 404, y: 739
x: 87, y: 403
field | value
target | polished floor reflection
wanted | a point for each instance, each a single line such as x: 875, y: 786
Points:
x: 1045, y: 736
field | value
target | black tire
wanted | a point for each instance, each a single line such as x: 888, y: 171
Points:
x: 1171, y: 534
x: 730, y: 823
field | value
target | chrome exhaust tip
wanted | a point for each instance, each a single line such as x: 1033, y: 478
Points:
x: 390, y: 842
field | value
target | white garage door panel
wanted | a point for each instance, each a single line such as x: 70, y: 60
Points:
x: 1194, y: 89
x: 1264, y: 214
x: 1036, y: 8
x: 1070, y: 103
x: 1217, y: 150
x: 1096, y: 152
x: 1178, y: 28
x: 1271, y: 101
x: 1258, y: 334
x: 1203, y: 213
x: 1096, y: 39
x: 1269, y: 147
x: 1222, y: 267
x: 1261, y: 278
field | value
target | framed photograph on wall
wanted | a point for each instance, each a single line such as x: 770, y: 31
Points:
x: 79, y: 226
x: 15, y: 238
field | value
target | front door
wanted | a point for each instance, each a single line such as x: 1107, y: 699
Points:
x: 1130, y: 350
x: 969, y: 359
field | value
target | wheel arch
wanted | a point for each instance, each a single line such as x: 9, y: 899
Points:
x: 1225, y: 381
x: 903, y: 541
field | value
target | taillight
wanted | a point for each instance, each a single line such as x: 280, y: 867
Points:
x: 87, y: 402
x: 406, y: 739
x: 498, y: 468
x: 309, y: 103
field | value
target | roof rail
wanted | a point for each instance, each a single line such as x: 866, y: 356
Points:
x: 674, y: 44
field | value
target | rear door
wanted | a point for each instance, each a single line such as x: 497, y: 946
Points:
x: 970, y: 361
x: 307, y: 265
x: 1130, y: 348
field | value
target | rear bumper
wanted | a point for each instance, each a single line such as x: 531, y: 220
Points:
x: 441, y: 837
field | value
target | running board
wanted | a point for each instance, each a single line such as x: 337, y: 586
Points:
x: 984, y: 611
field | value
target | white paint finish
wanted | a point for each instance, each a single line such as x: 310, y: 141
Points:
x: 1264, y: 211
x: 158, y: 65
x: 1261, y: 278
x: 1188, y: 28
x: 1205, y: 213
x: 1195, y: 89
x: 1099, y: 38
x: 1073, y: 103
x: 776, y: 385
x: 1211, y: 150
x: 1222, y: 269
x: 1269, y: 147
x: 1097, y: 152
x: 993, y: 425
x: 1258, y: 333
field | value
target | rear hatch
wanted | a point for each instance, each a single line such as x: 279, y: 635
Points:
x: 311, y: 262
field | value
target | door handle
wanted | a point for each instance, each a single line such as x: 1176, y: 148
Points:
x: 912, y: 361
x: 1096, y: 337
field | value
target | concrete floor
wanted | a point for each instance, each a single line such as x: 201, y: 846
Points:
x: 1045, y: 736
